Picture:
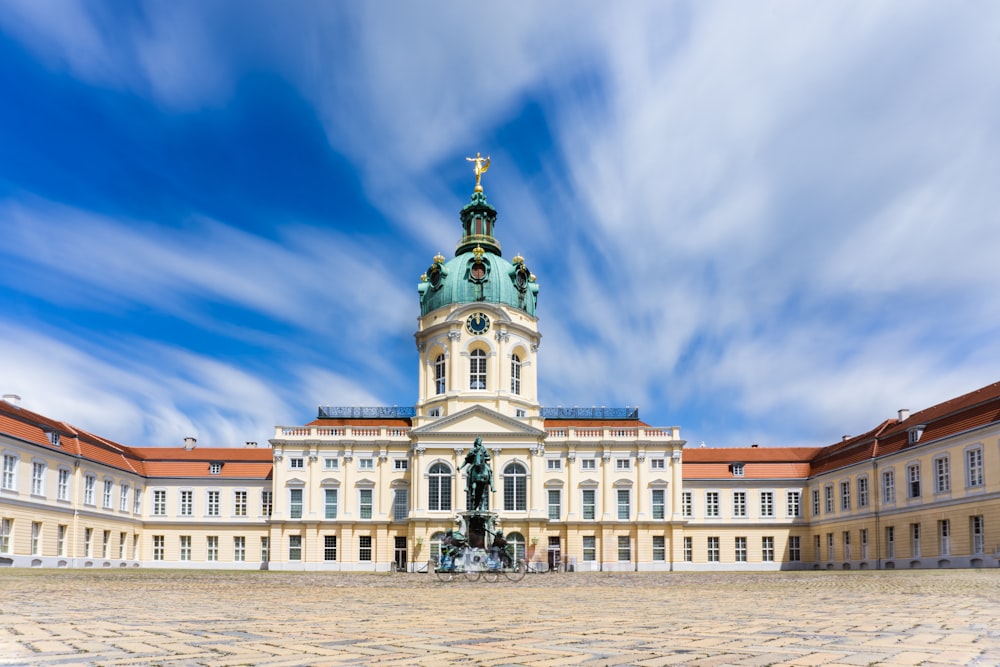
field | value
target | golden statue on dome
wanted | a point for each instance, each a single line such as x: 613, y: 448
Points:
x: 482, y: 164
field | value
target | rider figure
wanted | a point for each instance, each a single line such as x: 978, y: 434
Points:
x: 452, y: 545
x: 502, y: 548
x: 483, y: 455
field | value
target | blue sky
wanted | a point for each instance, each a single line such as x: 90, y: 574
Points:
x: 770, y: 223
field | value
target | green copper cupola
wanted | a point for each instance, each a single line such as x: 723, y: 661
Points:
x: 478, y: 220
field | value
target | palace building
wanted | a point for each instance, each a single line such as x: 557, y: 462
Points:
x: 374, y: 489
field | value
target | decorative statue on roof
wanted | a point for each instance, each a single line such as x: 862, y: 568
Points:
x: 480, y: 476
x: 481, y: 165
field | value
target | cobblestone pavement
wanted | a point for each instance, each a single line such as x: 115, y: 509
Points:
x: 221, y: 619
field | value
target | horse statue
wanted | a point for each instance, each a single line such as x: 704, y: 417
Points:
x: 480, y: 476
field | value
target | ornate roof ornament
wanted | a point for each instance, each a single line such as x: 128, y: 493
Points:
x: 482, y: 164
x: 478, y: 252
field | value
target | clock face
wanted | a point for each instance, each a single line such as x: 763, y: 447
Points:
x: 477, y: 324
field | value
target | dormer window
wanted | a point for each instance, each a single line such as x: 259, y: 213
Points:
x: 914, y: 433
x: 215, y: 468
x: 737, y: 469
x: 53, y: 438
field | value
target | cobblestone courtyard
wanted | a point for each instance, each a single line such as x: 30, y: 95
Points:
x: 164, y: 617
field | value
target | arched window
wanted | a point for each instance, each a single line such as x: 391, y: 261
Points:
x: 516, y: 541
x: 515, y: 375
x: 439, y: 369
x: 477, y: 370
x: 515, y: 488
x: 439, y: 488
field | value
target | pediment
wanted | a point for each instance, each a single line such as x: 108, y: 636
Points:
x: 478, y: 421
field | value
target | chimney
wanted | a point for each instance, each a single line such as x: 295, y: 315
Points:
x: 251, y: 444
x: 189, y: 443
x: 13, y: 399
x: 904, y: 414
x: 845, y: 438
x: 754, y: 445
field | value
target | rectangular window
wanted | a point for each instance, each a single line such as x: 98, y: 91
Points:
x: 265, y: 549
x: 623, y: 464
x: 846, y: 537
x: 793, y: 504
x: 89, y: 489
x: 400, y: 504
x: 365, y: 503
x: 109, y: 488
x: 36, y: 538
x: 330, y: 503
x: 624, y: 504
x: 123, y: 502
x: 329, y: 547
x: 711, y: 503
x: 215, y: 468
x: 37, y: 479
x: 624, y: 548
x: 845, y: 496
x: 9, y: 472
x: 295, y: 503
x: 88, y: 540
x: 828, y: 498
x: 741, y: 550
x: 659, y: 548
x: 60, y: 539
x: 862, y: 492
x: 816, y: 548
x: 978, y: 525
x: 239, y: 548
x: 159, y: 502
x: 864, y: 543
x: 944, y: 537
x: 158, y: 546
x: 331, y: 464
x: 212, y: 547
x: 739, y: 503
x: 794, y: 548
x: 737, y: 469
x: 185, y: 542
x: 915, y: 540
x: 589, y: 504
x: 815, y: 496
x: 213, y: 504
x: 240, y: 503
x: 62, y: 485
x: 890, y: 542
x: 767, y: 549
x: 187, y: 503
x: 266, y: 503
x: 913, y: 480
x: 659, y: 504
x: 829, y: 546
x: 294, y: 547
x: 366, y: 463
x: 942, y: 475
x: 105, y: 543
x: 713, y: 550
x: 767, y: 503
x: 296, y: 463
x: 364, y: 547
x: 400, y: 464
x: 688, y: 549
x: 555, y: 504
x: 687, y: 504
x: 657, y: 464
x: 589, y: 547
x: 137, y: 502
x: 974, y: 467
x: 122, y: 542
x: 553, y: 464
x: 588, y: 464
x: 888, y: 487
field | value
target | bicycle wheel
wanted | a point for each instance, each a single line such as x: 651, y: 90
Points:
x: 491, y: 576
x: 444, y: 575
x: 517, y: 572
x: 472, y: 573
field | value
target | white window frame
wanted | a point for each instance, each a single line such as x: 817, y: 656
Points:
x: 9, y: 482
x: 185, y: 502
x: 740, y: 504
x: 942, y: 474
x: 588, y: 464
x: 331, y: 463
x: 767, y: 504
x: 974, y: 472
x: 658, y: 504
x: 331, y: 502
x: 477, y: 370
x: 38, y: 469
x: 64, y: 484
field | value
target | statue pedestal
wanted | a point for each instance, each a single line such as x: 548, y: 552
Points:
x: 478, y: 526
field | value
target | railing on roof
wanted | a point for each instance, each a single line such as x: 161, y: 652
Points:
x: 590, y: 413
x: 395, y: 412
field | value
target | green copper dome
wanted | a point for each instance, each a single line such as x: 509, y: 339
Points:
x: 478, y: 272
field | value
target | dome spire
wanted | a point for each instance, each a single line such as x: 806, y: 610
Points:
x: 478, y: 217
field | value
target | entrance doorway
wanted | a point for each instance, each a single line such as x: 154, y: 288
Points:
x: 555, y: 554
x: 399, y: 554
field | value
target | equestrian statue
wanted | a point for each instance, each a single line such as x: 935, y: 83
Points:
x: 479, y: 477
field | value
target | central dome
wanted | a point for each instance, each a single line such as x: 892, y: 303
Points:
x: 478, y: 273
